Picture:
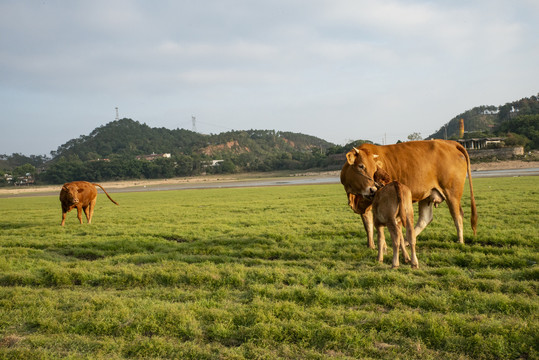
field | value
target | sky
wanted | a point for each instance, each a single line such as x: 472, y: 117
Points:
x: 339, y: 70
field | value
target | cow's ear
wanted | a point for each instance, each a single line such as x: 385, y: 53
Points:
x: 80, y: 190
x: 351, y: 157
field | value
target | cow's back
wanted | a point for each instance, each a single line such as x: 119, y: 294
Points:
x: 422, y: 165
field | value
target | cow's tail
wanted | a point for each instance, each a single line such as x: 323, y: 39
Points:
x: 105, y: 191
x: 472, y: 198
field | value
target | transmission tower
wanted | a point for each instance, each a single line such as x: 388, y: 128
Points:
x: 194, y: 121
x: 117, y: 116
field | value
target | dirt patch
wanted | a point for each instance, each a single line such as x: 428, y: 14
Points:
x: 505, y: 165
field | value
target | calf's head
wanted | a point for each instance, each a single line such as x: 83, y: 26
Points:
x: 359, y: 171
x: 381, y: 178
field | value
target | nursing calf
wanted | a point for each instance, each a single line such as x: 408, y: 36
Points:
x: 81, y: 195
x: 392, y: 207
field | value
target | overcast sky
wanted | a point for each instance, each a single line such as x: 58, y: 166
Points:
x: 340, y: 70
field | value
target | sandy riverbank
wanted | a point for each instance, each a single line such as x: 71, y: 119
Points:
x: 498, y: 165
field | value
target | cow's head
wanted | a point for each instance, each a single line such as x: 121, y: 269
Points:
x: 358, y: 171
x: 71, y: 193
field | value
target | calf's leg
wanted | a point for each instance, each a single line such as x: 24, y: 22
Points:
x: 410, y: 234
x: 382, y: 247
x: 396, y: 235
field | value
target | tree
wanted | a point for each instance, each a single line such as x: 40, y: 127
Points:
x: 513, y: 139
x: 414, y: 136
x: 23, y: 170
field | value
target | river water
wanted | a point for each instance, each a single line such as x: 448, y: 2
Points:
x: 308, y: 180
x: 303, y: 180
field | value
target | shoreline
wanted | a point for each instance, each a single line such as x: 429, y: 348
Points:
x: 237, y: 178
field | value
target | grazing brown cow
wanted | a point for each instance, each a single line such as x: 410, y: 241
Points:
x: 434, y: 170
x: 82, y: 195
x: 392, y: 207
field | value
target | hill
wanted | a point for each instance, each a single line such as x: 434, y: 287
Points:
x: 518, y: 119
x: 127, y: 149
x: 129, y: 138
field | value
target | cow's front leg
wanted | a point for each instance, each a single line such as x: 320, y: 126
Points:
x: 87, y: 213
x: 368, y: 224
x: 425, y: 207
x: 79, y: 213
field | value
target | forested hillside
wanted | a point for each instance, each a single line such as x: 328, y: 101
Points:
x: 119, y: 149
x: 517, y: 120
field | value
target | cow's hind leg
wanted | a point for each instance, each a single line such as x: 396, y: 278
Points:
x: 91, y: 208
x: 425, y: 207
x: 457, y: 214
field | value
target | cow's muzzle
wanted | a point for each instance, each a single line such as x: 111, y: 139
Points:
x: 371, y: 191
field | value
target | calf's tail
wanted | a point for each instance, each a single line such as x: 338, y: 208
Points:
x: 472, y: 198
x: 106, y: 193
x: 402, y: 208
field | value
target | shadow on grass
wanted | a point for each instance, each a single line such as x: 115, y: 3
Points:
x: 11, y: 225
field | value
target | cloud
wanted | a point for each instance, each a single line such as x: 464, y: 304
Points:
x: 328, y: 66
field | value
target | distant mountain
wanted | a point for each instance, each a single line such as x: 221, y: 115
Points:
x: 489, y: 120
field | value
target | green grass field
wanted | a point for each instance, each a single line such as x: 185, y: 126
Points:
x: 265, y: 273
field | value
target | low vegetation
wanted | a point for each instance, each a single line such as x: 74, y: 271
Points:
x: 274, y: 272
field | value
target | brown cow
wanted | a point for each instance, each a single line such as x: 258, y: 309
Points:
x: 434, y: 170
x: 392, y: 207
x: 82, y: 195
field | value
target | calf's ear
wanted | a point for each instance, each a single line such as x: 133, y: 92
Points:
x: 80, y: 190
